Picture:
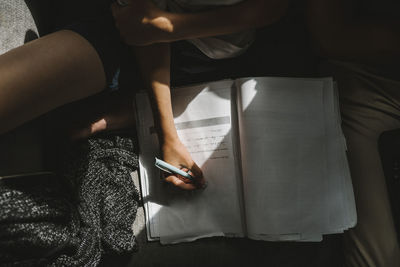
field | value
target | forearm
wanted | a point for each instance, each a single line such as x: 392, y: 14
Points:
x: 246, y: 15
x: 142, y: 23
x: 154, y: 62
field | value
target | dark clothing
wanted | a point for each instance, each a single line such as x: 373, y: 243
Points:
x: 93, y: 21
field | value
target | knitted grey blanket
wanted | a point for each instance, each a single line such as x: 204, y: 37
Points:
x: 74, y: 219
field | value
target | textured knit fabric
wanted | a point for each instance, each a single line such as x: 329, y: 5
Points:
x: 76, y: 219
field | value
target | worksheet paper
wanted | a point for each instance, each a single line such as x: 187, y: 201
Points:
x: 203, y: 121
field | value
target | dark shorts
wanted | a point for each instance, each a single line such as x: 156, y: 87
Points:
x: 93, y: 21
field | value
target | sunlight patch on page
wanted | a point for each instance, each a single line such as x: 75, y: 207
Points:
x: 203, y: 131
x: 153, y: 208
x: 250, y: 94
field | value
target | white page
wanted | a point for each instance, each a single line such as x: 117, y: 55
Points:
x: 340, y: 204
x: 204, y: 126
x: 151, y: 186
x: 350, y: 203
x: 311, y: 237
x: 203, y: 120
x: 337, y: 212
x: 282, y: 138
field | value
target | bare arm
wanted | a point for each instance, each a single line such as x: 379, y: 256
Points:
x: 154, y: 61
x: 338, y: 34
x: 142, y: 23
x: 246, y: 15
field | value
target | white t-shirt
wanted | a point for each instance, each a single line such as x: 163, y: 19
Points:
x: 216, y: 47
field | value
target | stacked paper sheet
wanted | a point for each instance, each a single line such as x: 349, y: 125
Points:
x: 272, y: 151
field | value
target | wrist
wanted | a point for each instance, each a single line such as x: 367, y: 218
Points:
x: 166, y: 128
x: 169, y: 139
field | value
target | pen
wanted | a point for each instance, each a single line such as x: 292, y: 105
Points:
x: 162, y: 165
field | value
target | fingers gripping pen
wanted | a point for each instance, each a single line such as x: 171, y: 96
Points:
x: 162, y: 165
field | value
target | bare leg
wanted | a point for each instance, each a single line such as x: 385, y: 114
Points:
x: 35, y: 78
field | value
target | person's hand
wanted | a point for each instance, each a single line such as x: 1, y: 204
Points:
x: 141, y: 22
x: 176, y: 154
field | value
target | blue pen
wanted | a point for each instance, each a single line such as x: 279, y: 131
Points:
x: 162, y: 165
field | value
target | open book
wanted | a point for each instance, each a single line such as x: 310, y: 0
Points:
x: 272, y: 152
